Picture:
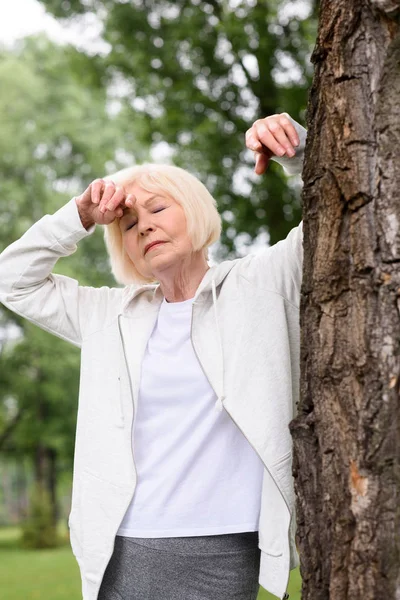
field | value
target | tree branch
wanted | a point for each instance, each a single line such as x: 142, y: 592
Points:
x: 9, y: 429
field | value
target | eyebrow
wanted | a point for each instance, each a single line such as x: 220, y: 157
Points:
x: 128, y: 209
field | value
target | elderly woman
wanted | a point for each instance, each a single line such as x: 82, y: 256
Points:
x: 171, y: 498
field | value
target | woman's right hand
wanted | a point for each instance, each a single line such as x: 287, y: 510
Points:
x: 94, y: 202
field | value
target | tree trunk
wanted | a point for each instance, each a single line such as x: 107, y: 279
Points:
x: 41, y: 465
x: 52, y: 483
x: 46, y: 475
x: 347, y: 433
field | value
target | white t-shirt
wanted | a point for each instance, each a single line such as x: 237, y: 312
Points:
x: 197, y: 473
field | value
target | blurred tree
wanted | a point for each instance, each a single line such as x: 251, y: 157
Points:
x: 199, y: 72
x: 39, y: 389
x: 39, y: 530
x: 56, y: 135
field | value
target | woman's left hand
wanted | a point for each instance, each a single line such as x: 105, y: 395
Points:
x: 272, y: 136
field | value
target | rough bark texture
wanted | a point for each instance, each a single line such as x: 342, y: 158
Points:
x: 347, y: 433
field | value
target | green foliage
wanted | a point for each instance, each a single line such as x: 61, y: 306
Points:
x: 39, y: 530
x: 198, y: 73
x: 56, y: 135
x: 41, y: 373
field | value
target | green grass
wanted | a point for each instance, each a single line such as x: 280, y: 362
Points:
x: 36, y: 574
x: 54, y: 574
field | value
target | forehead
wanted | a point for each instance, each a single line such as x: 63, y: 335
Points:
x: 141, y: 194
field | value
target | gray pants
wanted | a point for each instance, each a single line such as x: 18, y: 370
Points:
x: 211, y: 567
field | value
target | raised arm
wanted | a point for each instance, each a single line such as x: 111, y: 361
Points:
x: 282, y: 139
x: 54, y: 302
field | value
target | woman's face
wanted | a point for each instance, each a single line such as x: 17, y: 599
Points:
x: 154, y: 217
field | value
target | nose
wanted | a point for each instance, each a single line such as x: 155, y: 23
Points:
x: 145, y: 230
x: 145, y: 226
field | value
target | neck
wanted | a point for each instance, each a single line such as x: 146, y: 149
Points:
x: 181, y: 282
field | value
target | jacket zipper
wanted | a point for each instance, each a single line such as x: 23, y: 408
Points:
x: 286, y: 595
x: 131, y: 390
x: 132, y: 421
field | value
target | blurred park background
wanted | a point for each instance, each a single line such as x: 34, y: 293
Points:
x: 89, y: 87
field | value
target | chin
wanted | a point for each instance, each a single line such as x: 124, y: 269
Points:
x: 161, y: 263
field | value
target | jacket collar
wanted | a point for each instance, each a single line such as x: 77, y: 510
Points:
x: 216, y: 273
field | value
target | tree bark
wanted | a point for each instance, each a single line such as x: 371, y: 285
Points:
x: 347, y: 433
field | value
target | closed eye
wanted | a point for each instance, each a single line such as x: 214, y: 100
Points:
x: 135, y: 223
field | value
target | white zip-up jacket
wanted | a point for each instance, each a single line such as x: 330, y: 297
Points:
x: 245, y: 333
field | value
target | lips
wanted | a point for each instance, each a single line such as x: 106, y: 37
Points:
x: 152, y: 244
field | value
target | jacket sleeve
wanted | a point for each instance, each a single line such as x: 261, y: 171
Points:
x: 28, y: 287
x: 278, y: 268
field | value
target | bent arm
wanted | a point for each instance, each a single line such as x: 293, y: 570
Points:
x: 29, y: 288
x: 279, y: 267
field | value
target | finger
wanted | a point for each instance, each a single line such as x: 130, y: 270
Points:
x: 96, y: 188
x: 116, y: 199
x: 86, y: 195
x: 109, y: 190
x: 271, y: 134
x: 278, y: 131
x: 109, y: 217
x: 252, y: 142
x: 119, y: 212
x: 262, y: 161
x: 267, y: 139
x: 130, y: 200
x: 290, y: 129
